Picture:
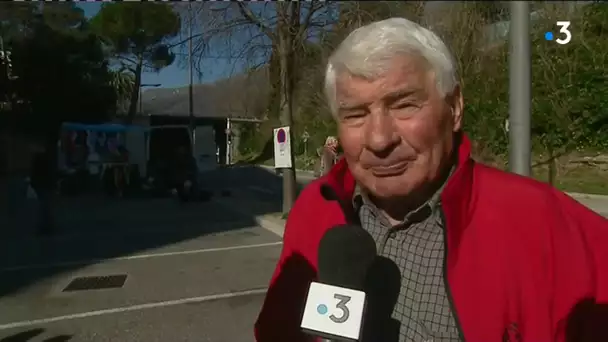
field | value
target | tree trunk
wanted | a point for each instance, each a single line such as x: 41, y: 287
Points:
x: 135, y: 93
x: 552, y: 165
x: 285, y: 49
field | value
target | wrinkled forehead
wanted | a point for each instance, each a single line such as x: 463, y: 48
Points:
x: 408, y: 73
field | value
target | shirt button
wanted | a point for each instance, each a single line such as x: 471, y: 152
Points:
x: 392, y: 235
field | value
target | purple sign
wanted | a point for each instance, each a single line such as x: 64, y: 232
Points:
x: 281, y: 136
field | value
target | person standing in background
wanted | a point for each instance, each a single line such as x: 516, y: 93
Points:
x: 18, y: 158
x: 42, y: 180
x: 328, y: 154
x: 184, y: 177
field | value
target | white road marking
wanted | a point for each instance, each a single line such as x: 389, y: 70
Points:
x: 134, y: 257
x: 260, y: 189
x: 201, y: 299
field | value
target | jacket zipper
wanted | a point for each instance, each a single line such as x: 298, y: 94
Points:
x: 448, y: 291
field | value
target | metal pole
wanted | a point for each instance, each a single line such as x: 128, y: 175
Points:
x: 519, y: 89
x: 4, y: 67
x: 191, y: 74
x: 228, y: 142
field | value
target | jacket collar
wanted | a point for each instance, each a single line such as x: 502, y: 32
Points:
x: 456, y: 198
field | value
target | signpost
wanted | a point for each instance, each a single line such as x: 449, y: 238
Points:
x: 282, y: 148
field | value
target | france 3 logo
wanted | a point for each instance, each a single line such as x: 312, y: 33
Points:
x: 333, y: 311
x: 564, y: 35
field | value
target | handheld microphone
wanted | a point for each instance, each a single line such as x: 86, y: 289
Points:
x: 382, y: 287
x: 336, y: 304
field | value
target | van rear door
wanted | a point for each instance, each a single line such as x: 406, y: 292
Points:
x: 204, y: 150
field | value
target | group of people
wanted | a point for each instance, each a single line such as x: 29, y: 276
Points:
x: 483, y: 254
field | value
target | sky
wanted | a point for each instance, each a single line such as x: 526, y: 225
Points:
x: 175, y: 75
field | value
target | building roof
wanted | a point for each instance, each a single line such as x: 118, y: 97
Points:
x: 244, y: 96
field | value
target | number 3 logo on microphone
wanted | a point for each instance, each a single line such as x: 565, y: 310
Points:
x: 341, y: 306
x: 333, y: 311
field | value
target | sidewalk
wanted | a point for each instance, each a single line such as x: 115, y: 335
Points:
x: 271, y: 219
x: 268, y: 215
x: 597, y: 203
x: 304, y: 176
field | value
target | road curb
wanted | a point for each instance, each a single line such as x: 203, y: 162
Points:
x: 266, y: 221
x: 589, y: 196
x: 274, y: 225
x: 306, y: 173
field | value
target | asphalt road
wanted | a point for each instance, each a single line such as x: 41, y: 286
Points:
x: 255, y: 183
x: 195, y: 272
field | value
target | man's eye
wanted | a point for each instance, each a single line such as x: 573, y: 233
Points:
x: 402, y: 105
x: 354, y: 116
x: 354, y: 119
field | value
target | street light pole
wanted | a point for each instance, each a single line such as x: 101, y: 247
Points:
x: 191, y: 75
x: 519, y: 89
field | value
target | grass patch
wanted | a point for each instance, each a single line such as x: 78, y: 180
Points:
x: 280, y: 216
x: 582, y: 179
x: 570, y: 177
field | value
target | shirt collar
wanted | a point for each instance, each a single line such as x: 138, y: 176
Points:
x: 434, y: 203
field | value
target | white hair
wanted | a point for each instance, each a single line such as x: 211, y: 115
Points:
x: 367, y: 51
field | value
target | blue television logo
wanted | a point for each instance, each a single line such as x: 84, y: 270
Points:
x: 322, y: 309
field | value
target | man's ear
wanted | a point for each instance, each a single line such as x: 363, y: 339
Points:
x: 456, y: 101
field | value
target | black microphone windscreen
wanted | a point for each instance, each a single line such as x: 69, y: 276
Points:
x: 345, y: 254
x: 382, y: 287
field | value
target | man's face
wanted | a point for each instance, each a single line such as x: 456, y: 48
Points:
x: 396, y: 130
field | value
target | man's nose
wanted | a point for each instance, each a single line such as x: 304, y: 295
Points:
x: 381, y: 134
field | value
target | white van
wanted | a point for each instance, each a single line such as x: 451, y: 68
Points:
x: 160, y: 142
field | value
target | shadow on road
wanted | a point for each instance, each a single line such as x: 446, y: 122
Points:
x: 26, y: 336
x: 259, y: 186
x: 94, y: 228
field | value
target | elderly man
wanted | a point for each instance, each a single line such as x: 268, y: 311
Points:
x: 484, y: 255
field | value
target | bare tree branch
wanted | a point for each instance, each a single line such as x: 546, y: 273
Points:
x: 313, y: 8
x: 248, y: 15
x: 123, y: 58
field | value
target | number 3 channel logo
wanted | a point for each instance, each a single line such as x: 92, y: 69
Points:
x: 564, y: 29
x: 341, y: 306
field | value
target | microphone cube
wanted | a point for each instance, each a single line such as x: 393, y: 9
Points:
x: 333, y: 312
